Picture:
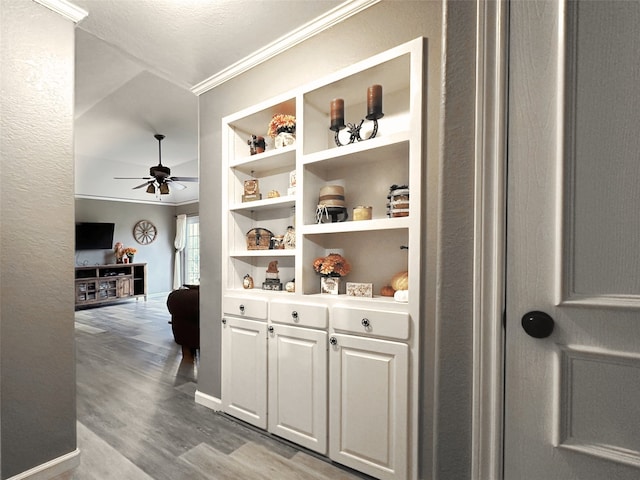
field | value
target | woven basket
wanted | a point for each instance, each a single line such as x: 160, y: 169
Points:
x: 259, y: 239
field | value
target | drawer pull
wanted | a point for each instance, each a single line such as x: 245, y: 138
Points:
x: 271, y: 329
x: 294, y: 315
x: 365, y: 323
x: 224, y: 321
x: 333, y: 341
x: 241, y: 308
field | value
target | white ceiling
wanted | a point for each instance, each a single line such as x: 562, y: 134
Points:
x: 137, y: 63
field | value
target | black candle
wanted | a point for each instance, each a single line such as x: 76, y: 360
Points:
x: 337, y: 114
x: 374, y: 102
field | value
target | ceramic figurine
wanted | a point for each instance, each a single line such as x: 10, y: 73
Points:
x: 290, y: 238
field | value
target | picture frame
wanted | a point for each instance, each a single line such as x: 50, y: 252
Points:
x: 359, y: 289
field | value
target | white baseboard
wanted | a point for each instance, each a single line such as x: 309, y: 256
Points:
x: 208, y: 401
x: 52, y: 468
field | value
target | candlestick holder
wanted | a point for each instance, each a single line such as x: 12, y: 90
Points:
x: 354, y: 130
x: 374, y: 112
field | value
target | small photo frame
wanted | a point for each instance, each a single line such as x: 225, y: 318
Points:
x: 329, y: 285
x: 359, y: 289
x: 251, y: 187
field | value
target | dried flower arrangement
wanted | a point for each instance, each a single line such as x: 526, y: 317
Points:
x: 281, y: 123
x: 333, y: 265
x: 120, y: 251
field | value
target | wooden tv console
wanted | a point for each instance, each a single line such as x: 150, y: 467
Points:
x: 101, y: 284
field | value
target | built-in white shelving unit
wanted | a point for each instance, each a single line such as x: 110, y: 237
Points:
x: 334, y: 373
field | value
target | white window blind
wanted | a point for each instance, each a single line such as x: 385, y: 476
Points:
x: 192, y: 252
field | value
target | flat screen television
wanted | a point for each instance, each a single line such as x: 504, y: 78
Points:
x: 94, y: 236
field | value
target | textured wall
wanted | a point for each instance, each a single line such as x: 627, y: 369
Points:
x: 453, y: 305
x: 449, y: 137
x: 188, y: 209
x: 38, y: 417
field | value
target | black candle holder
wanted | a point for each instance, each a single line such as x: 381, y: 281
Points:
x: 354, y: 130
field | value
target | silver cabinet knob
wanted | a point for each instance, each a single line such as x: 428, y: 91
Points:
x: 365, y: 323
x: 294, y: 315
x: 224, y: 321
x: 241, y: 308
x: 333, y: 340
x: 270, y: 328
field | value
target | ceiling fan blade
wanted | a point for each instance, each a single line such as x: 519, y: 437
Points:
x: 185, y: 179
x: 132, y: 178
x: 142, y: 185
x: 175, y: 184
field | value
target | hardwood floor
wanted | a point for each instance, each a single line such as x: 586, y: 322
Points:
x: 137, y: 418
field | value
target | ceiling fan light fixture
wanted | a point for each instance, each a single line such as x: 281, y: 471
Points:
x: 157, y: 182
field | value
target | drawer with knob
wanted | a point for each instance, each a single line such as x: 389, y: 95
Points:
x: 300, y: 314
x: 245, y: 307
x: 371, y: 322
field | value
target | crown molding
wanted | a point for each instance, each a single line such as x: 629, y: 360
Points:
x: 306, y: 31
x: 65, y: 8
x: 162, y: 203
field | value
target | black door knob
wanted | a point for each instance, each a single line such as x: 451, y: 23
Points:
x: 537, y: 324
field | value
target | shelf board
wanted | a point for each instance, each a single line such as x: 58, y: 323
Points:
x: 279, y: 159
x: 359, y: 226
x: 398, y: 306
x: 257, y: 117
x: 263, y: 253
x: 265, y: 204
x: 388, y: 147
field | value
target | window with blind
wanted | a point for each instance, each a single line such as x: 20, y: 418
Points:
x: 191, y: 252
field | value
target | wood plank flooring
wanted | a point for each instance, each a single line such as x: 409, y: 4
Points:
x: 137, y: 418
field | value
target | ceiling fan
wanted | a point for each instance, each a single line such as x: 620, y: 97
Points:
x: 160, y: 176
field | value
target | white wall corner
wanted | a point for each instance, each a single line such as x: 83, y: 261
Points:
x: 65, y: 8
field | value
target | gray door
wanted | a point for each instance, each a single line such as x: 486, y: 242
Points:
x: 572, y: 402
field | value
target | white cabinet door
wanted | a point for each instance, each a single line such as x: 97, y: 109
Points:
x: 298, y: 386
x: 368, y: 405
x: 244, y: 370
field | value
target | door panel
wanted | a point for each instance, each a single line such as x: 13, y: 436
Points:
x: 591, y: 422
x: 573, y: 246
x: 602, y: 126
x: 368, y: 405
x: 298, y: 386
x: 244, y: 370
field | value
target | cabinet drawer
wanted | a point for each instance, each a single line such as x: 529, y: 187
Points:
x: 245, y: 307
x: 301, y: 314
x: 379, y: 323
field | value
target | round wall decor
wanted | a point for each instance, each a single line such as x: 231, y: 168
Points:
x: 145, y: 232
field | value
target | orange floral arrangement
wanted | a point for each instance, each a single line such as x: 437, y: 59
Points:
x: 129, y: 251
x: 281, y: 123
x: 333, y: 265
